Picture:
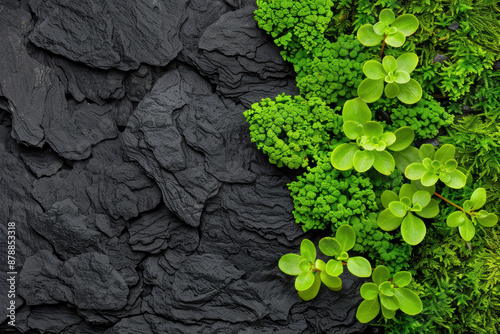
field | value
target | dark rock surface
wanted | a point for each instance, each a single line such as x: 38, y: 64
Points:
x: 140, y: 204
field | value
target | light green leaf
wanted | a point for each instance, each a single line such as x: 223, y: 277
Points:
x: 402, y: 278
x: 308, y: 250
x: 396, y: 40
x: 409, y: 302
x: 387, y: 313
x: 334, y: 267
x: 388, y: 138
x: 367, y: 36
x: 368, y: 310
x: 431, y: 210
x: 407, y: 190
x: 330, y: 246
x: 456, y: 219
x: 445, y: 153
x: 407, y: 62
x: 428, y: 179
x: 389, y: 63
x: 304, y: 281
x: 363, y: 161
x: 389, y: 302
x: 343, y: 155
x: 305, y: 265
x: 413, y: 229
x: 410, y: 92
x: 346, y: 236
x: 374, y: 70
x: 467, y: 230
x: 352, y: 129
x: 356, y: 110
x: 488, y: 219
x: 379, y: 28
x: 405, y: 157
x: 478, y: 198
x: 398, y: 209
x: 387, y: 221
x: 369, y: 291
x: 407, y: 24
x: 401, y: 77
x: 415, y: 171
x: 373, y: 129
x: 419, y: 186
x: 359, y: 266
x: 332, y: 282
x: 312, y: 292
x: 387, y: 197
x: 457, y: 179
x: 467, y: 206
x: 371, y: 90
x: 381, y: 274
x: 451, y: 165
x: 386, y: 288
x: 426, y: 151
x: 421, y: 197
x: 391, y: 90
x: 404, y: 137
x: 289, y: 264
x: 386, y: 16
x: 384, y: 162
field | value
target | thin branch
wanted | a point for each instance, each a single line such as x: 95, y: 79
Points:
x: 383, y: 46
x: 447, y: 201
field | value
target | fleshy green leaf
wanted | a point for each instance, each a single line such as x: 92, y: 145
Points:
x: 289, y: 264
x: 334, y: 267
x: 457, y: 179
x: 407, y: 62
x: 379, y: 28
x: 431, y: 210
x: 467, y: 230
x: 421, y: 197
x: 374, y: 70
x: 352, y: 129
x: 389, y: 302
x: 413, y: 229
x: 359, y: 266
x: 445, y: 153
x: 343, y: 156
x: 307, y: 250
x: 387, y: 197
x: 426, y: 151
x: 368, y: 37
x: 304, y: 281
x: 387, y: 221
x: 346, y: 236
x: 488, y: 219
x: 415, y: 171
x: 391, y: 90
x: 398, y: 209
x: 381, y: 274
x: 419, y: 186
x: 332, y: 283
x: 368, y: 310
x: 478, y: 198
x: 312, y: 292
x: 389, y: 63
x: 305, y: 265
x: 456, y: 219
x: 387, y: 313
x: 409, y: 302
x: 388, y: 138
x: 407, y: 24
x: 451, y: 165
x: 384, y: 162
x: 330, y: 246
x: 405, y: 157
x: 467, y: 206
x: 396, y: 40
x: 407, y: 190
x: 356, y: 110
x: 428, y: 179
x: 373, y: 129
x: 386, y: 288
x: 369, y: 291
x: 410, y: 92
x: 401, y: 77
x: 386, y: 16
x: 402, y: 278
x: 371, y: 90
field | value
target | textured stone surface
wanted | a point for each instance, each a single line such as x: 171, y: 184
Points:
x: 140, y: 204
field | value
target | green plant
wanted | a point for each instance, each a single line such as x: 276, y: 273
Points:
x: 387, y: 294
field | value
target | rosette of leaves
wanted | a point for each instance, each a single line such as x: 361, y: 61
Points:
x: 394, y: 75
x: 310, y: 271
x: 344, y: 240
x: 390, y: 29
x: 388, y: 295
x: 403, y: 209
x: 470, y: 207
x: 370, y: 148
x: 436, y: 165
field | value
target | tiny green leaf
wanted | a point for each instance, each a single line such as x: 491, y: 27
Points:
x: 415, y: 171
x: 289, y: 264
x: 389, y: 302
x: 398, y: 209
x: 387, y: 221
x: 386, y: 16
x: 451, y: 165
x: 368, y: 37
x: 407, y: 62
x: 396, y: 40
x: 488, y: 219
x: 379, y: 28
x: 402, y: 278
x: 467, y: 230
x: 421, y: 197
x: 356, y: 110
x: 406, y: 23
x: 389, y: 64
x: 410, y: 92
x: 313, y: 290
x: 380, y: 274
x: 426, y: 151
x: 373, y: 129
x: 431, y: 210
x: 308, y: 250
x: 332, y: 282
x: 371, y: 90
x: 445, y: 153
x: 386, y: 288
x: 409, y: 302
x: 352, y: 129
x: 330, y: 246
x: 405, y: 157
x: 387, y: 197
x: 343, y: 155
x: 368, y: 310
x: 428, y: 179
x: 334, y: 267
x: 305, y: 265
x: 387, y: 313
x: 418, y: 185
x: 359, y: 266
x: 413, y: 229
x: 346, y: 236
x: 391, y: 90
x: 388, y: 138
x: 478, y: 198
x: 304, y: 281
x: 457, y: 179
x: 374, y: 70
x: 384, y: 162
x: 369, y: 291
x: 456, y: 219
x: 467, y: 206
x: 402, y: 77
x: 407, y: 190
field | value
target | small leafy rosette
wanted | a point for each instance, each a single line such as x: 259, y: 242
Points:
x: 309, y: 271
x: 387, y: 296
x: 345, y: 239
x: 437, y: 165
x: 369, y: 150
x: 402, y: 210
x: 393, y: 30
x: 394, y: 75
x: 466, y: 225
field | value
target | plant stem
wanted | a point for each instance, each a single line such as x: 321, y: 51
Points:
x: 383, y: 46
x: 447, y: 201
